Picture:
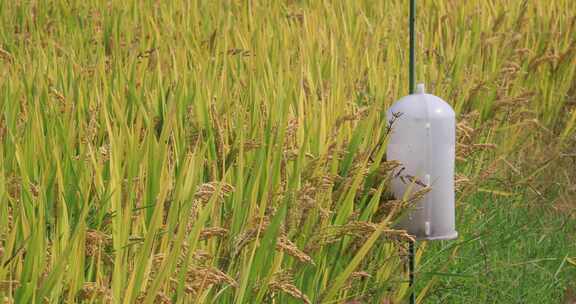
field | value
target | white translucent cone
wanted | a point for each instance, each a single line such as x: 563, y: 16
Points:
x: 423, y: 139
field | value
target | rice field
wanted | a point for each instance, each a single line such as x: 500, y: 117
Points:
x: 234, y: 151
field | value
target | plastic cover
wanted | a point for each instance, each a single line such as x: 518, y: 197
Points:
x: 423, y: 139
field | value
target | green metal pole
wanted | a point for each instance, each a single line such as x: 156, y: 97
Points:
x: 412, y: 76
x: 411, y: 266
x: 412, y: 73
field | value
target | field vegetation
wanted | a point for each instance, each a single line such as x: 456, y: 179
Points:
x: 234, y: 151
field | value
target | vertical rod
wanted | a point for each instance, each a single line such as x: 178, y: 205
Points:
x: 412, y: 80
x: 411, y: 267
x: 411, y: 64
